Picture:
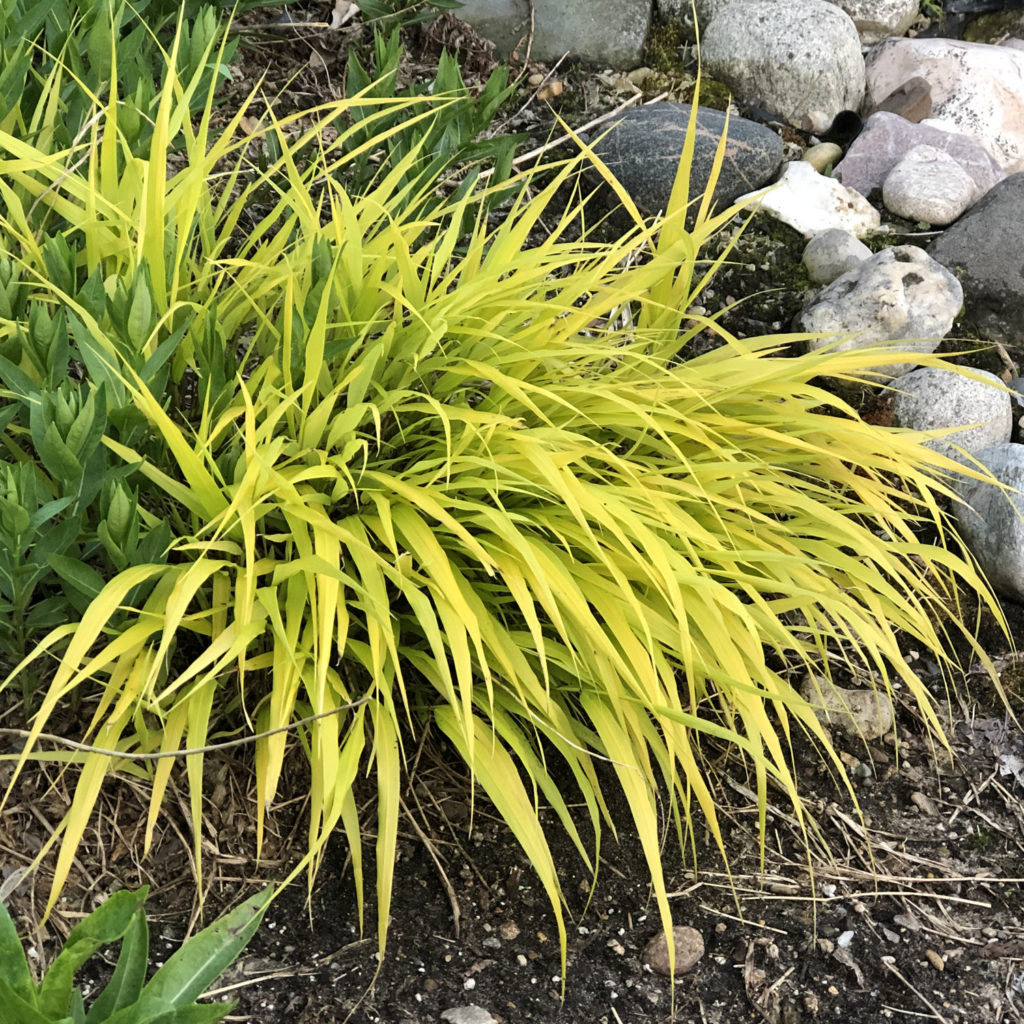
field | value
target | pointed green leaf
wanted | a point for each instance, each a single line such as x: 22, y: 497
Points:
x: 106, y: 924
x: 14, y: 966
x: 190, y: 971
x: 129, y: 975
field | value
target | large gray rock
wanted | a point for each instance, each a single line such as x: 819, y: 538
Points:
x: 984, y: 250
x: 886, y: 138
x: 644, y: 147
x: 977, y: 89
x: 607, y: 32
x: 880, y: 19
x: 928, y: 185
x: 933, y: 398
x: 800, y: 59
x: 991, y: 521
x: 899, y: 295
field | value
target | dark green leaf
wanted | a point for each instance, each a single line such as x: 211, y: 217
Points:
x: 18, y: 1010
x: 107, y: 923
x: 129, y: 975
x: 76, y: 574
x: 13, y: 965
x: 188, y: 973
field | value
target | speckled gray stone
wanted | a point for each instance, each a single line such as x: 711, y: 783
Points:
x: 928, y: 185
x: 644, y: 147
x: 862, y: 714
x: 833, y: 253
x: 800, y: 59
x: 932, y: 398
x: 879, y: 19
x: 610, y: 33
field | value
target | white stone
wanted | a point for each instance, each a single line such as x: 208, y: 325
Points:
x: 933, y: 398
x: 812, y: 203
x: 880, y: 19
x: 991, y: 520
x: 929, y: 185
x: 898, y: 295
x: 832, y: 253
x: 977, y: 88
x: 471, y: 1014
x: 800, y: 59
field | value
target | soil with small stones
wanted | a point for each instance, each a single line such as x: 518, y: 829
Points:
x: 900, y: 901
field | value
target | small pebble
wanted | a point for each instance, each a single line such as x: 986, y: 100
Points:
x: 923, y: 803
x: 689, y: 948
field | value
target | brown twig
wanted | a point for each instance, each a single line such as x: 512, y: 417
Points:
x: 917, y: 992
x: 125, y: 756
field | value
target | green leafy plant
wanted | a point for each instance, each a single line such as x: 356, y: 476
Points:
x: 417, y: 477
x: 392, y: 14
x: 447, y: 141
x: 57, y: 58
x: 170, y: 994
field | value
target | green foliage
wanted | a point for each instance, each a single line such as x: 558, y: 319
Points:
x: 170, y: 994
x: 415, y: 477
x: 57, y: 57
x: 393, y: 14
x: 67, y: 518
x: 448, y: 139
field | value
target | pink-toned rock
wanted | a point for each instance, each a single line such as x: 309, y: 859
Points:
x: 977, y: 88
x: 887, y: 138
x: 689, y: 948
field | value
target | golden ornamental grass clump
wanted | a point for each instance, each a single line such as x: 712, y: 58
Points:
x: 430, y: 490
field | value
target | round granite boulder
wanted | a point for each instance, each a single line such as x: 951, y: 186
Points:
x: 643, y: 149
